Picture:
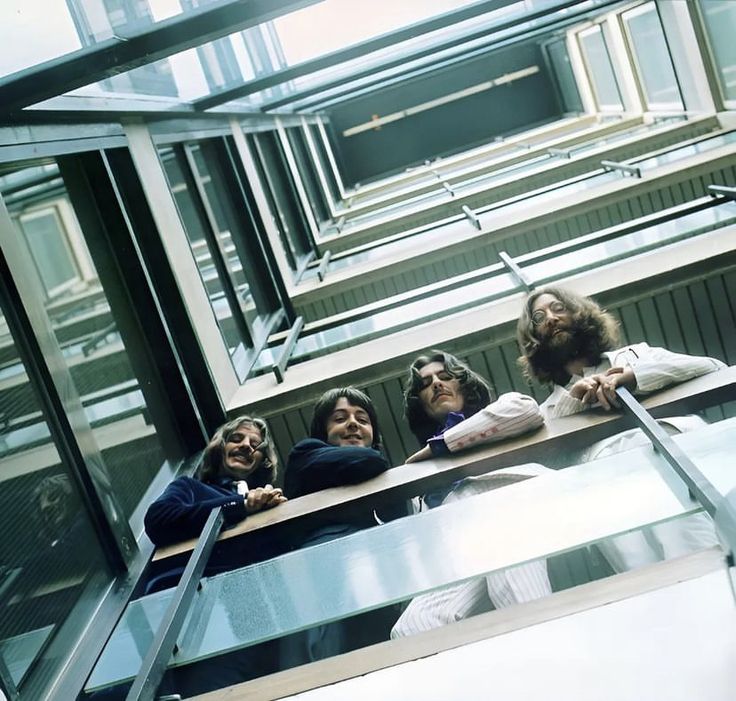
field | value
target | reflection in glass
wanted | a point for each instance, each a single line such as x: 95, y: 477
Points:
x: 194, y: 218
x: 87, y: 333
x: 52, y: 569
x: 719, y: 17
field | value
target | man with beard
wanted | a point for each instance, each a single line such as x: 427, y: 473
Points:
x: 570, y: 342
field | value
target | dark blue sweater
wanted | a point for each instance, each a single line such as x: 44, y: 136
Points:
x: 314, y: 465
x: 182, y: 510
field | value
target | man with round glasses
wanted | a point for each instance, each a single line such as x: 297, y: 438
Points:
x: 568, y: 341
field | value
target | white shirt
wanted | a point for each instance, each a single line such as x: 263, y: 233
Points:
x: 510, y: 415
x: 654, y: 368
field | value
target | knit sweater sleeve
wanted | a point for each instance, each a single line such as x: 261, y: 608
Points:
x: 182, y: 510
x: 314, y: 465
x: 510, y: 415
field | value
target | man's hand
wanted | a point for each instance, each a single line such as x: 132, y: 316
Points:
x: 423, y: 454
x: 607, y: 383
x: 585, y: 390
x: 263, y: 498
x: 601, y: 388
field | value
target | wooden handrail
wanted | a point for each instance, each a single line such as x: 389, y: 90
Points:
x: 405, y: 481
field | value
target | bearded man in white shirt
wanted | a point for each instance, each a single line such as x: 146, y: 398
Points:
x: 568, y: 341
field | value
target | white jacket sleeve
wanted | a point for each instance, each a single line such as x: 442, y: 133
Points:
x: 656, y: 368
x: 510, y: 415
x: 561, y: 403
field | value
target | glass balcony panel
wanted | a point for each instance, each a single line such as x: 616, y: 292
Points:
x: 549, y: 514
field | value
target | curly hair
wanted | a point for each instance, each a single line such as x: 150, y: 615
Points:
x: 213, y: 458
x: 476, y: 391
x: 326, y: 405
x: 595, y: 331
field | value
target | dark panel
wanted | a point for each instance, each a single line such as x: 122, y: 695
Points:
x: 447, y: 128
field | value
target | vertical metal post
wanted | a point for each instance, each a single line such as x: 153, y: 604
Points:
x: 156, y: 661
x: 721, y: 509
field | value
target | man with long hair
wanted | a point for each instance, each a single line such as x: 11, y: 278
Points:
x: 568, y: 341
x: 450, y: 408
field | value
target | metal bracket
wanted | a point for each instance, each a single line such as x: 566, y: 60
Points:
x: 323, y: 263
x: 471, y: 216
x: 634, y: 171
x: 448, y: 187
x: 561, y: 152
x: 721, y: 509
x: 723, y: 191
x: 155, y: 662
x: 516, y: 271
x: 288, y: 348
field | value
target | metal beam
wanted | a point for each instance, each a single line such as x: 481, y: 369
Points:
x: 721, y: 509
x: 363, y: 49
x: 131, y: 49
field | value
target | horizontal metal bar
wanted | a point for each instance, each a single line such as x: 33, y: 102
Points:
x: 622, y: 167
x: 471, y: 216
x: 719, y: 508
x: 723, y: 191
x: 516, y: 271
x: 561, y: 152
x: 156, y: 660
x: 288, y: 348
x: 324, y: 262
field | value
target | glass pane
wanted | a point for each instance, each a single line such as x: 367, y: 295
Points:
x: 720, y: 19
x: 552, y: 513
x: 560, y: 61
x: 282, y: 194
x: 95, y: 351
x: 52, y: 568
x: 653, y: 60
x: 195, y: 223
x: 600, y: 71
x: 336, y: 24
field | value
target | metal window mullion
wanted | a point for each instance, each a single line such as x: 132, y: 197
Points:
x: 713, y: 503
x: 219, y: 256
x: 267, y: 270
x: 156, y: 661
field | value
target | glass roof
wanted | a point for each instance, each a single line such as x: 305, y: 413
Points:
x: 37, y: 31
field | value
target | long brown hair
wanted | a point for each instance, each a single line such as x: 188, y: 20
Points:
x: 213, y: 458
x: 596, y: 329
x: 476, y: 391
